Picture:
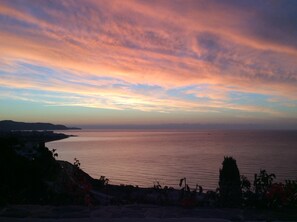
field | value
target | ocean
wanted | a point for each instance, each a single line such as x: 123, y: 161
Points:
x: 146, y: 157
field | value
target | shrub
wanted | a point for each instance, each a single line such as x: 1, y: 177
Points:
x: 188, y: 197
x: 276, y: 196
x: 291, y: 193
x: 262, y: 183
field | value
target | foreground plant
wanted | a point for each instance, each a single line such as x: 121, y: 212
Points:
x: 230, y: 183
x: 188, y: 197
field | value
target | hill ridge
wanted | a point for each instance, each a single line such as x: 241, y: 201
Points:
x: 7, y: 125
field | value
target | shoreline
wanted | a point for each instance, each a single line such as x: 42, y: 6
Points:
x: 81, y: 196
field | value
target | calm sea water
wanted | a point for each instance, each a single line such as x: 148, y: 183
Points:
x: 144, y: 157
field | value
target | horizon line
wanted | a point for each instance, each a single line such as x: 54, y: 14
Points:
x: 187, y: 126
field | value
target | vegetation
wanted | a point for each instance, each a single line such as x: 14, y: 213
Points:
x: 76, y: 163
x: 30, y: 174
x: 230, y: 183
x: 187, y: 197
x: 54, y: 153
x: 262, y: 183
x: 25, y: 179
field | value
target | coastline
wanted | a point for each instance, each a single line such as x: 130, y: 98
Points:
x: 79, y: 197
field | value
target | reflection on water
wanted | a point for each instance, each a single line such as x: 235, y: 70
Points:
x: 140, y: 158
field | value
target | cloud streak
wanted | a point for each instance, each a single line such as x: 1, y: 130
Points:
x: 131, y: 55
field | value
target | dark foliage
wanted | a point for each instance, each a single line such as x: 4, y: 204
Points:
x: 262, y: 183
x: 230, y: 184
x: 23, y: 179
x: 290, y: 189
x: 30, y: 174
x: 247, y: 194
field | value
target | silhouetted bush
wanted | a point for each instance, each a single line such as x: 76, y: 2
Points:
x: 291, y: 193
x: 262, y: 183
x: 230, y: 184
x: 187, y: 197
x: 247, y: 194
x: 276, y: 196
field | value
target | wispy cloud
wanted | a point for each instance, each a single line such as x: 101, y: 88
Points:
x: 131, y: 54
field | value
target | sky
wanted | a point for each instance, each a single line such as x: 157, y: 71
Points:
x: 107, y: 62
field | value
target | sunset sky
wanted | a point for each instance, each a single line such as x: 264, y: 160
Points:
x: 149, y: 61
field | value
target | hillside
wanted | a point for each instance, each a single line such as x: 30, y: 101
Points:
x: 6, y: 125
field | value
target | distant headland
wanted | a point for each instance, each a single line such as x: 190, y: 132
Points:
x: 7, y: 125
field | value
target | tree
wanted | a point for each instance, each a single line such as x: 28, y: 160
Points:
x: 230, y: 183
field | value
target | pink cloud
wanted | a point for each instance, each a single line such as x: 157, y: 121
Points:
x: 139, y: 43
